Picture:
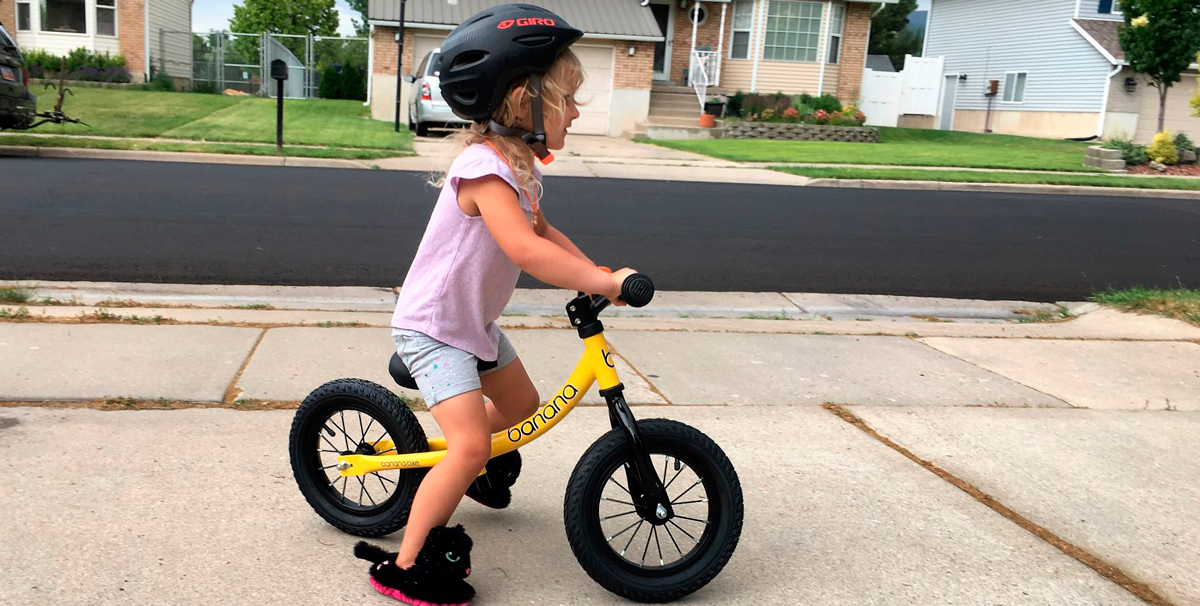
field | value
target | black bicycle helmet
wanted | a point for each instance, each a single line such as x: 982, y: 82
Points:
x: 486, y: 53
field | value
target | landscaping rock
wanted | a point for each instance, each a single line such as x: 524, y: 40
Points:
x: 1158, y: 166
x: 1186, y: 156
x: 800, y: 132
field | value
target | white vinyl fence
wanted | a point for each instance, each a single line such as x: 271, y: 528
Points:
x: 916, y: 90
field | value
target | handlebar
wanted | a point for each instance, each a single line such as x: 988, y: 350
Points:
x: 637, y: 290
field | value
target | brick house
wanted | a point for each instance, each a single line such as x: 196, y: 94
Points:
x: 132, y: 28
x: 637, y: 52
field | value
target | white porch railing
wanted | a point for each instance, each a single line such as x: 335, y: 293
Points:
x: 703, y: 72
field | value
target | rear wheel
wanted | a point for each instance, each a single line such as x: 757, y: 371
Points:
x: 352, y: 416
x: 650, y: 560
x: 422, y: 129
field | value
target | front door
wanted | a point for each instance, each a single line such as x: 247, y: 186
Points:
x: 665, y: 17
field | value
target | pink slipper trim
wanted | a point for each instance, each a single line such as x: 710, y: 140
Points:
x: 399, y: 595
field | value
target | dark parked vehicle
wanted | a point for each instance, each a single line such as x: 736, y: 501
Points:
x: 18, y: 106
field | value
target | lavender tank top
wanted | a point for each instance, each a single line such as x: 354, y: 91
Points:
x: 460, y: 280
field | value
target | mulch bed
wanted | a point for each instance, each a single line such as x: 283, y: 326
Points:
x: 1178, y: 170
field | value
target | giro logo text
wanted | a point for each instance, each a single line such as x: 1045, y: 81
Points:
x: 525, y: 22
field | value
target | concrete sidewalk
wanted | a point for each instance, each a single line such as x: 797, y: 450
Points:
x: 1065, y: 455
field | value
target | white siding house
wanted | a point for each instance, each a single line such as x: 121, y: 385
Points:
x: 1059, y: 65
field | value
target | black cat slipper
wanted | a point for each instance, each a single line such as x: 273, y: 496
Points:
x: 436, y: 579
x: 492, y: 488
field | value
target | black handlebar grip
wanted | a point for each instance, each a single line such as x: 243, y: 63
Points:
x: 637, y: 290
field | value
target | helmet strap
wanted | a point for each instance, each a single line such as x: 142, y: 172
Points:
x: 537, y: 139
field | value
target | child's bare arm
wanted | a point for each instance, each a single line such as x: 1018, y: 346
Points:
x: 539, y: 257
x: 549, y: 232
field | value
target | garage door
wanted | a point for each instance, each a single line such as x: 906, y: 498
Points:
x: 1178, y: 116
x: 422, y: 46
x: 597, y: 89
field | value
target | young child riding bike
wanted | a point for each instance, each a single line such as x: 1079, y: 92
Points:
x: 509, y: 70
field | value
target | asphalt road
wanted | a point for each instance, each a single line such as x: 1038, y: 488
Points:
x: 197, y: 223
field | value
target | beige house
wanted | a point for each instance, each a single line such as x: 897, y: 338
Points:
x: 136, y: 29
x: 642, y: 56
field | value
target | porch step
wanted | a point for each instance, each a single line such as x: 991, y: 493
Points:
x: 671, y: 104
x: 668, y: 132
x: 658, y: 86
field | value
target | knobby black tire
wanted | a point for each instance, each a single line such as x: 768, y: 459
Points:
x: 585, y: 488
x: 397, y: 420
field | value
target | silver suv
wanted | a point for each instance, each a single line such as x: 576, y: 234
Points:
x: 427, y: 108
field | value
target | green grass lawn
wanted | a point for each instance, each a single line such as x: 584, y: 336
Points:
x: 904, y: 146
x: 138, y: 113
x: 199, y: 147
x: 967, y: 176
x: 305, y: 122
x: 124, y: 113
x: 1182, y: 304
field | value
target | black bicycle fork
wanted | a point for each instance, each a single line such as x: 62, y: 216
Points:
x: 646, y: 489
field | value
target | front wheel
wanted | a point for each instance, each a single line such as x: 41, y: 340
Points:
x: 654, y: 561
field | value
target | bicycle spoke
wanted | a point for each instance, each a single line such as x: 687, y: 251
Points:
x: 618, y: 501
x: 386, y: 451
x: 381, y: 484
x: 614, y: 481
x: 677, y: 472
x: 673, y: 541
x: 618, y: 515
x: 694, y: 540
x: 331, y: 444
x: 366, y: 492
x: 346, y: 436
x: 328, y: 467
x: 333, y: 451
x: 666, y: 460
x: 609, y: 539
x: 705, y: 500
x: 647, y: 549
x: 686, y: 491
x: 369, y: 425
x: 658, y: 544
x: 635, y: 531
x: 705, y: 522
x: 376, y: 474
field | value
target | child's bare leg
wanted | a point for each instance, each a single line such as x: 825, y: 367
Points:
x: 513, y: 396
x: 464, y: 422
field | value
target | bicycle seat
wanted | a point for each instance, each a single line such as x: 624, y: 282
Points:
x: 403, y: 378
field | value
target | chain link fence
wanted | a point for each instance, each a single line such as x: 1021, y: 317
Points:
x: 234, y: 63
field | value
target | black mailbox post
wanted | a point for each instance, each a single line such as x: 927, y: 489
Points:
x: 279, y: 71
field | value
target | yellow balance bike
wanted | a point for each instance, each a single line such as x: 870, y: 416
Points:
x: 653, y: 509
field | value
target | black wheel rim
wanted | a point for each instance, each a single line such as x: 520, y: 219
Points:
x: 644, y: 548
x: 350, y: 429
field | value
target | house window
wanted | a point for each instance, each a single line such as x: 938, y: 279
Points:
x: 24, y: 22
x: 1014, y: 87
x: 793, y: 31
x: 65, y: 16
x: 106, y: 17
x: 743, y: 23
x: 698, y: 14
x: 836, y: 27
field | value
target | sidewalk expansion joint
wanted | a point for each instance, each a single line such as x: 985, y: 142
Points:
x: 232, y: 392
x: 654, y: 388
x: 1139, y: 589
x: 992, y: 372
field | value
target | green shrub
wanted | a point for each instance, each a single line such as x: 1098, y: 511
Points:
x: 353, y: 85
x: 1162, y: 149
x: 827, y: 102
x: 160, y: 81
x: 1183, y: 142
x: 1131, y: 152
x: 331, y: 84
x: 733, y: 106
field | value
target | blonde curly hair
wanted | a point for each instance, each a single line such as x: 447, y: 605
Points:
x: 564, y: 77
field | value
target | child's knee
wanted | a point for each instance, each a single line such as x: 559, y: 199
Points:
x: 474, y: 452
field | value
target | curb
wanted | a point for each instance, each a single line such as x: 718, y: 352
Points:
x: 1014, y: 188
x: 165, y: 156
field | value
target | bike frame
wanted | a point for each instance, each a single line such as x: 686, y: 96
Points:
x: 596, y: 366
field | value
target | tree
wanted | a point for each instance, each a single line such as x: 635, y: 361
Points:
x: 315, y: 17
x: 886, y: 27
x: 1161, y: 39
x: 361, y: 28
